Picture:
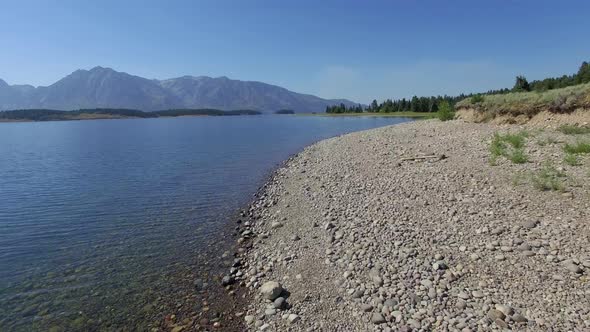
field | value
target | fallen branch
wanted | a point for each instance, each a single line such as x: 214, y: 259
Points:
x: 438, y: 157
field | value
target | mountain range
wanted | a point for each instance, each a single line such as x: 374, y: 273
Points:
x: 106, y: 88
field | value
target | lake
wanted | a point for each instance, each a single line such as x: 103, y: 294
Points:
x: 106, y: 224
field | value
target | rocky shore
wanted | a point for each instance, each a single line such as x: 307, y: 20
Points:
x: 357, y: 233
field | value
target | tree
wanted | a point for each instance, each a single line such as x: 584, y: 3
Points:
x: 445, y: 111
x: 583, y: 75
x: 521, y: 84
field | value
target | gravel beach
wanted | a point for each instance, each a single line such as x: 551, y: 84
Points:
x: 357, y: 234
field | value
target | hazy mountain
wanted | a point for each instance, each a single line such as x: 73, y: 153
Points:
x: 104, y: 87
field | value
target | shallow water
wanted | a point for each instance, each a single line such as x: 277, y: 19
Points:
x: 105, y: 224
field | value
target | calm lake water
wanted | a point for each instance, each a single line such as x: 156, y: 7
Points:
x: 106, y: 224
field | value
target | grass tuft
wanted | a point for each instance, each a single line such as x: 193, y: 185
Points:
x: 578, y: 148
x: 571, y: 159
x: 549, y: 178
x: 510, y: 146
x: 574, y: 130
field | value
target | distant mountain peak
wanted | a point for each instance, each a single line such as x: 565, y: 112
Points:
x: 103, y: 87
x: 3, y: 83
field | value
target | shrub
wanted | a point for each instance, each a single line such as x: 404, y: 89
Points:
x: 476, y: 99
x: 577, y: 148
x: 549, y: 178
x: 445, y: 111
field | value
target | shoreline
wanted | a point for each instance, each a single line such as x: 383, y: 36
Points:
x: 299, y: 234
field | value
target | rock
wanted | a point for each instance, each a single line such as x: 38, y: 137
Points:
x: 477, y: 294
x: 414, y: 323
x: 275, y: 225
x: 463, y: 295
x: 377, y: 281
x: 440, y: 265
x: 530, y: 224
x: 293, y: 318
x: 377, y: 318
x: 271, y: 290
x: 572, y: 267
x: 249, y: 319
x: 390, y: 303
x: 295, y: 238
x: 279, y: 303
x: 426, y: 283
x: 366, y: 307
x: 270, y: 312
x: 461, y: 304
x: 494, y: 314
x: 506, y: 310
x: 264, y: 327
x: 519, y: 318
x: 227, y: 280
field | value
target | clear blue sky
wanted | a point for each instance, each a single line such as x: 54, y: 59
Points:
x: 352, y: 49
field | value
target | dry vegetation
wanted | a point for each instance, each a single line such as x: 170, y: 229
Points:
x: 528, y: 104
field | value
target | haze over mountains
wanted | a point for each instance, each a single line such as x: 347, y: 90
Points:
x: 106, y: 88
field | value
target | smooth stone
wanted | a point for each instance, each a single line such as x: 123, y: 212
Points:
x: 293, y: 318
x: 271, y: 290
x: 506, y: 310
x: 519, y: 318
x: 494, y: 314
x: 279, y: 303
x: 377, y: 318
x: 366, y: 307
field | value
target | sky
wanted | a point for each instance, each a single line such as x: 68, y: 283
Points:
x: 360, y: 50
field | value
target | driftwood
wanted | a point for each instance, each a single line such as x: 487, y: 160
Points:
x: 433, y: 156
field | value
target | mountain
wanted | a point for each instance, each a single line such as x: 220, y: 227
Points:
x: 106, y: 88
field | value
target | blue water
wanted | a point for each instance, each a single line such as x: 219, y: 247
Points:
x: 105, y: 224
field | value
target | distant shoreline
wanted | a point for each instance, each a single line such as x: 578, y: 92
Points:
x: 41, y: 115
x: 421, y: 115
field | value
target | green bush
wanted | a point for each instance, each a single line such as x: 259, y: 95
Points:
x: 476, y: 99
x: 577, y: 148
x: 445, y: 111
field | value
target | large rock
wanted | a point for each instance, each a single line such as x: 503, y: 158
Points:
x: 271, y: 290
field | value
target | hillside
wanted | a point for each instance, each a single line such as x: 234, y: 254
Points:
x: 106, y: 88
x: 519, y: 107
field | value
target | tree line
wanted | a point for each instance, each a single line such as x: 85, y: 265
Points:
x: 581, y: 77
x: 433, y: 103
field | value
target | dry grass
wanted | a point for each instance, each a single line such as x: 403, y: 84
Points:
x: 530, y: 103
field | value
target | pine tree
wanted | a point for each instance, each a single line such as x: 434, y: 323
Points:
x: 521, y: 84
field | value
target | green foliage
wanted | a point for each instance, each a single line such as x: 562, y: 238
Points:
x: 578, y: 148
x: 521, y: 84
x: 478, y: 98
x: 518, y: 156
x: 445, y: 111
x: 549, y: 178
x: 574, y: 130
x: 337, y: 109
x: 510, y: 146
x: 571, y: 159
